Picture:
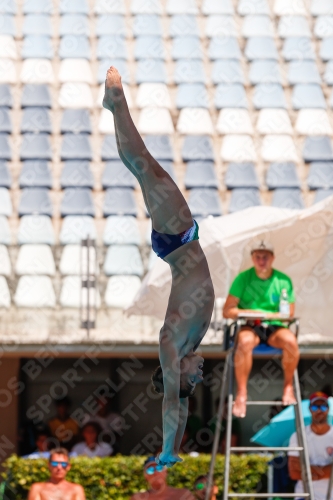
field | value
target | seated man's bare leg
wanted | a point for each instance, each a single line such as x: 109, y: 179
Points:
x: 165, y: 202
x: 247, y: 341
x: 285, y: 339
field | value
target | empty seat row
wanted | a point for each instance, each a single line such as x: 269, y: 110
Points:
x: 234, y: 145
x: 38, y: 292
x: 36, y: 123
x: 38, y: 229
x: 147, y: 45
x: 123, y: 230
x: 172, y: 7
x: 38, y: 119
x: 36, y: 100
x: 76, y: 75
x: 38, y: 260
x: 76, y: 201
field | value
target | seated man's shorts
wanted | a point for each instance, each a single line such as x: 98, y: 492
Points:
x: 263, y: 330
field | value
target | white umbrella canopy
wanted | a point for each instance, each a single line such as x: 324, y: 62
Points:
x: 303, y: 243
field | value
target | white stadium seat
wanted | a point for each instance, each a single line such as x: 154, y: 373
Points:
x: 7, y: 47
x: 289, y: 8
x: 5, y: 265
x: 121, y: 230
x: 221, y: 7
x: 37, y: 71
x: 218, y: 25
x: 75, y: 70
x: 324, y: 27
x: 313, y: 122
x: 35, y: 292
x: 321, y: 8
x: 123, y: 259
x: 274, y: 121
x: 4, y: 293
x: 257, y: 26
x: 234, y: 121
x: 35, y: 259
x: 7, y: 71
x: 174, y: 7
x: 75, y: 95
x: 71, y: 259
x: 72, y: 295
x: 110, y: 7
x: 5, y: 202
x: 154, y: 95
x: 238, y: 148
x: 292, y: 26
x: 155, y: 121
x: 106, y: 122
x: 35, y: 229
x: 278, y: 148
x: 76, y: 228
x: 146, y: 7
x: 248, y: 7
x: 5, y: 234
x: 195, y: 121
x: 121, y: 290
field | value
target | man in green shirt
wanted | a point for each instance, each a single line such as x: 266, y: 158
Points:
x: 259, y: 289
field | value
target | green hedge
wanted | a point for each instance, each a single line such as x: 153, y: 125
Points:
x: 117, y: 478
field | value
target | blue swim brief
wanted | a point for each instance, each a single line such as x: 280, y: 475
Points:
x: 163, y: 244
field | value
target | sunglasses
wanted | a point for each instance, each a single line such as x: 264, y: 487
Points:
x: 154, y: 468
x: 200, y: 486
x: 55, y: 464
x: 318, y: 407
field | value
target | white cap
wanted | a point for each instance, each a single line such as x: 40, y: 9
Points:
x: 262, y: 245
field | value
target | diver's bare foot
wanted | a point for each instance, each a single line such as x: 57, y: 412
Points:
x: 288, y: 396
x: 114, y: 91
x: 239, y: 408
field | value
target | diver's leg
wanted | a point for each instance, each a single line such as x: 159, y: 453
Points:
x: 129, y: 166
x: 169, y: 210
x: 246, y: 342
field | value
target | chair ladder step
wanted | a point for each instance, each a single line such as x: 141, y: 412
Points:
x: 268, y: 403
x: 266, y: 448
x: 267, y: 495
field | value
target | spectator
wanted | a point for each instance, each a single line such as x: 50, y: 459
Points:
x: 90, y: 446
x: 319, y: 438
x: 110, y: 421
x: 42, y: 440
x: 259, y: 290
x: 156, y: 477
x: 63, y: 427
x: 235, y: 427
x: 200, y: 486
x: 57, y: 486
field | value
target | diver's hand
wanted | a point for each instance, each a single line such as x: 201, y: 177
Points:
x: 168, y: 459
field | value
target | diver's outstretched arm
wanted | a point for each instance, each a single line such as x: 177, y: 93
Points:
x: 183, y: 413
x: 170, y: 364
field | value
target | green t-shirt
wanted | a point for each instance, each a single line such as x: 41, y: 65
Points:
x: 261, y: 295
